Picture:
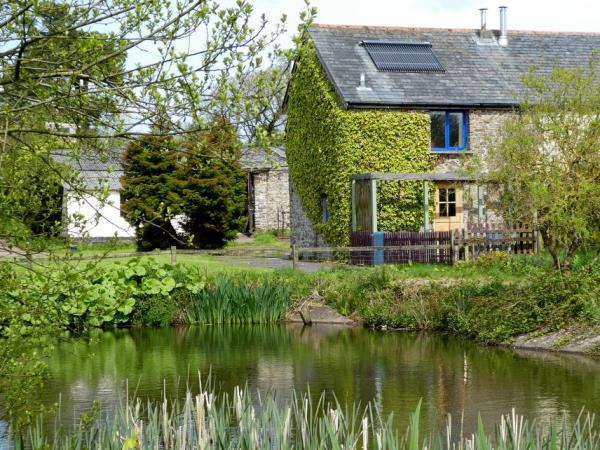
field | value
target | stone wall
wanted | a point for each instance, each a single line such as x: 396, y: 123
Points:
x: 271, y: 200
x: 484, y: 126
x: 303, y: 231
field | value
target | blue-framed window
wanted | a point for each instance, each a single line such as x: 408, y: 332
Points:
x: 449, y: 130
x: 324, y: 209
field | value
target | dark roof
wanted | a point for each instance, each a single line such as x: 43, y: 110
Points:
x: 254, y: 158
x: 478, y: 72
x: 95, y: 170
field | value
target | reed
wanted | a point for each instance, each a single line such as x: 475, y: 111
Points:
x: 235, y: 302
x: 243, y: 421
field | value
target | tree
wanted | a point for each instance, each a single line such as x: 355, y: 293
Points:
x: 546, y: 163
x: 150, y: 192
x: 86, y: 76
x: 198, y: 184
x: 214, y: 187
x: 259, y: 111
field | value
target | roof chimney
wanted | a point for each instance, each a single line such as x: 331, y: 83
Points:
x: 483, y: 12
x: 503, y: 39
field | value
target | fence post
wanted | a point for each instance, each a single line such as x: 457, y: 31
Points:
x: 465, y: 244
x: 173, y: 254
x: 294, y: 257
x: 452, y: 253
x: 378, y: 253
x: 536, y: 234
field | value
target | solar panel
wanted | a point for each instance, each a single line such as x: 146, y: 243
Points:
x: 403, y: 56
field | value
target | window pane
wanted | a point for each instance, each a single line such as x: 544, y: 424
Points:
x: 451, y: 195
x: 443, y: 194
x: 444, y: 209
x: 451, y: 209
x: 438, y: 130
x: 456, y: 130
x: 324, y: 210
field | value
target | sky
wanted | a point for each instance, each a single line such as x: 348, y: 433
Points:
x: 539, y: 15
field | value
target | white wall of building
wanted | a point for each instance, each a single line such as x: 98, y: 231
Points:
x: 99, y: 221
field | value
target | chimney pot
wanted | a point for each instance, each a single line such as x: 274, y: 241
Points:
x: 483, y: 18
x: 503, y: 39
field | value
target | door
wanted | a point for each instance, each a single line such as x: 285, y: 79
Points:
x: 448, y: 207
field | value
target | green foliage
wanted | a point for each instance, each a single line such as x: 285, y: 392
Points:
x: 213, y: 187
x: 547, y: 160
x: 30, y: 197
x: 92, y: 296
x: 489, y: 311
x: 200, y: 183
x: 231, y: 302
x: 67, y: 85
x: 326, y: 144
x: 149, y: 190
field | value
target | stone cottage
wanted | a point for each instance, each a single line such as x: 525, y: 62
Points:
x: 268, y: 189
x: 372, y: 101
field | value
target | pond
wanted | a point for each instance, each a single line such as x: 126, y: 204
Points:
x: 394, y: 370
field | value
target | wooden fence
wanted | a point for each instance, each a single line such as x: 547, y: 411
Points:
x: 397, y: 247
x: 517, y: 239
x: 442, y: 247
x: 404, y: 247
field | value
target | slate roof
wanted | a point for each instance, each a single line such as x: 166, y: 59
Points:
x: 95, y: 171
x: 479, y: 72
x: 254, y: 158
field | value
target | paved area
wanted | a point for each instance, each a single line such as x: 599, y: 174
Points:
x: 275, y: 263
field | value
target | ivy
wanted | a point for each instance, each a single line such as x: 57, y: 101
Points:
x: 326, y: 145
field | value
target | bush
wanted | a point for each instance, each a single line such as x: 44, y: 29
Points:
x: 139, y: 291
x: 200, y: 183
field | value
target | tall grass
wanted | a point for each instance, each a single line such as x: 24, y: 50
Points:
x: 235, y: 302
x: 242, y: 421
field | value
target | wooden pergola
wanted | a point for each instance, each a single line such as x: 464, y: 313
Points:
x: 364, y: 195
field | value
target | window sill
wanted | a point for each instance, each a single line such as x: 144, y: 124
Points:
x: 451, y: 152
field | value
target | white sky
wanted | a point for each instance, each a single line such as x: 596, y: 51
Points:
x: 539, y: 15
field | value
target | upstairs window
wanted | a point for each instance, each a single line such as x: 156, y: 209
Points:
x: 448, y: 130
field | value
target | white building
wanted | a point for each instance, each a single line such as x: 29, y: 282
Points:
x: 94, y: 213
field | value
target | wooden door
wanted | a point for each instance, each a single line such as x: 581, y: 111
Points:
x: 448, y: 207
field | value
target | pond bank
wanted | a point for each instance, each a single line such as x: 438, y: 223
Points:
x: 569, y: 340
x: 545, y: 310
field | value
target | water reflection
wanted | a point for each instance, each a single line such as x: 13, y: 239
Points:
x: 394, y: 370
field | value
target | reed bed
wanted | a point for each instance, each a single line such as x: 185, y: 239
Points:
x: 235, y: 302
x: 244, y: 421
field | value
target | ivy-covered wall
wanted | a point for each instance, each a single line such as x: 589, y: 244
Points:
x: 326, y: 145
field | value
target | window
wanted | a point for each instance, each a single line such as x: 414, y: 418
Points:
x: 324, y: 210
x: 447, y: 202
x: 448, y: 130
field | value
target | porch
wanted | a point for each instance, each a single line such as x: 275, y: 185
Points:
x: 448, y: 200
